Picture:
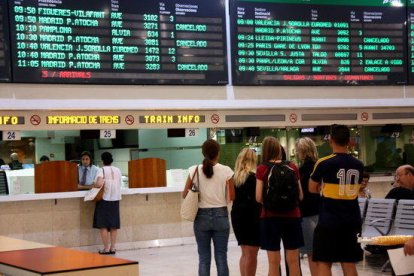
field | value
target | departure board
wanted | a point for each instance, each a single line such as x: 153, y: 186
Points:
x: 318, y: 42
x: 119, y: 41
x: 410, y: 15
x: 4, y: 43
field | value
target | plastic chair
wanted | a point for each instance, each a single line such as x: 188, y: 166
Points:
x: 404, y: 218
x: 403, y: 223
x: 377, y: 222
x: 378, y: 218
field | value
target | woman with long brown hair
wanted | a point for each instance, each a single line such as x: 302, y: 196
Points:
x: 216, y: 188
x: 278, y: 225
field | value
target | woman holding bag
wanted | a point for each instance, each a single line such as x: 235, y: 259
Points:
x: 106, y: 217
x: 216, y: 188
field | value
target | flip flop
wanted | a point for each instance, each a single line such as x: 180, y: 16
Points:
x: 112, y: 251
x: 103, y: 252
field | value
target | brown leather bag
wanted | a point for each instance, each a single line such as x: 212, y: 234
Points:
x: 99, y: 195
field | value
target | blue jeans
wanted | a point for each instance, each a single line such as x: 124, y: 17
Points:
x: 212, y: 224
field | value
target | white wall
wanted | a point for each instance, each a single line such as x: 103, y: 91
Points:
x: 49, y: 147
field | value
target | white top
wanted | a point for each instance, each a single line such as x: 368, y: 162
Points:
x: 113, y: 181
x: 212, y: 190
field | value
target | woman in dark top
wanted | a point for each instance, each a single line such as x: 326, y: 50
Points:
x: 309, y: 206
x: 245, y: 211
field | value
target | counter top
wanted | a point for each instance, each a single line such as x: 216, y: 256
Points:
x: 80, y: 194
x: 155, y: 190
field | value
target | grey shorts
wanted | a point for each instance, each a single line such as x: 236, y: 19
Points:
x: 308, y: 227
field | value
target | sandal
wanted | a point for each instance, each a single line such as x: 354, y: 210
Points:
x: 112, y: 251
x: 104, y: 252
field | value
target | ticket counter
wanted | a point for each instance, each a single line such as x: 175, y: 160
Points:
x: 149, y: 217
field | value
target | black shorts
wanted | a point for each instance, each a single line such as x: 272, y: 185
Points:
x: 272, y: 230
x: 246, y: 226
x: 337, y: 244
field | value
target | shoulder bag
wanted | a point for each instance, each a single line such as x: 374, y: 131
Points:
x: 96, y: 194
x: 189, y: 207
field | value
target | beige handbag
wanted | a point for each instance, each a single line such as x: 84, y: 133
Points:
x: 189, y: 207
x: 96, y: 194
x: 93, y: 194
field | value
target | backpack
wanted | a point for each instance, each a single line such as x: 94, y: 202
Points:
x: 282, y: 192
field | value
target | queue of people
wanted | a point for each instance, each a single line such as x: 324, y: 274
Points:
x: 324, y: 225
x: 325, y: 212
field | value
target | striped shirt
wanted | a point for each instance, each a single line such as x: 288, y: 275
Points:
x: 340, y: 175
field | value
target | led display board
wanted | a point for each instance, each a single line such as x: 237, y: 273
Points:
x: 410, y: 17
x: 318, y: 42
x: 4, y: 43
x: 119, y: 41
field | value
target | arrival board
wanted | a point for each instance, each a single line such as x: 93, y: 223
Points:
x: 4, y: 43
x: 119, y: 41
x: 318, y: 42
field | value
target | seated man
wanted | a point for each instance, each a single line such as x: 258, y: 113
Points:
x: 404, y: 178
x: 15, y: 163
x: 86, y: 171
x: 403, y: 189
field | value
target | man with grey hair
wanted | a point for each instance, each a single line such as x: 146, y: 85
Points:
x: 404, y: 180
x: 15, y: 163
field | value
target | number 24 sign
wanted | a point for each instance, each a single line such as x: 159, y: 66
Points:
x: 11, y: 135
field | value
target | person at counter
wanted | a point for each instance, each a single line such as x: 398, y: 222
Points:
x: 106, y: 217
x: 44, y: 159
x: 15, y: 163
x: 404, y: 180
x: 86, y: 171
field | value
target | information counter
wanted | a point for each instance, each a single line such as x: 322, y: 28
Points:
x: 149, y: 217
x: 81, y: 194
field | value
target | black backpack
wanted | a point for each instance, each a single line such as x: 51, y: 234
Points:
x: 282, y: 192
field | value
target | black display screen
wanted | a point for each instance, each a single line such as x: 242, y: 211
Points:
x: 410, y: 15
x: 4, y: 43
x: 119, y: 41
x: 318, y: 42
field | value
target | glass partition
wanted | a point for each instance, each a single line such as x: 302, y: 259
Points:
x: 387, y: 147
x: 382, y: 148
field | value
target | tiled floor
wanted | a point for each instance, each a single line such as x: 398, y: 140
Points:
x: 182, y: 261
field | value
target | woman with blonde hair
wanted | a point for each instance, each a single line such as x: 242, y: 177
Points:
x: 309, y: 206
x: 245, y: 212
x: 278, y: 225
